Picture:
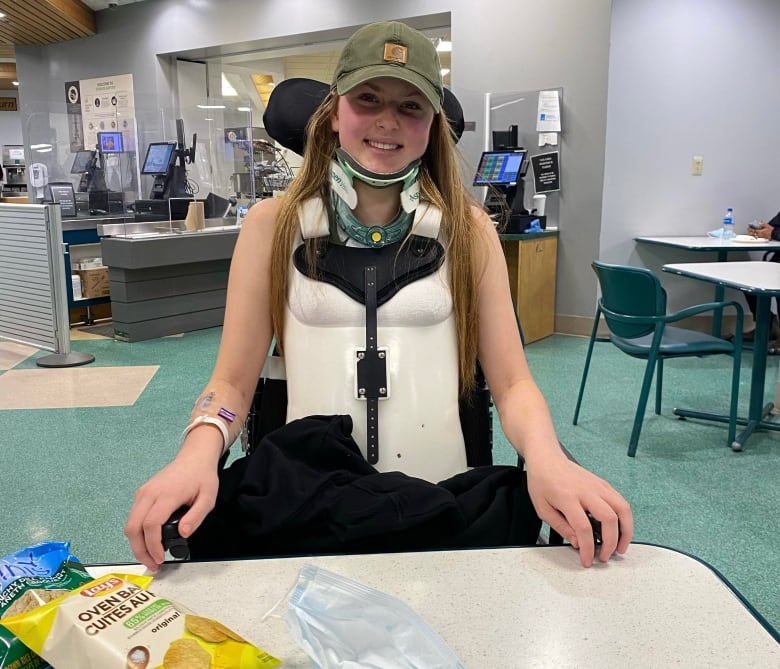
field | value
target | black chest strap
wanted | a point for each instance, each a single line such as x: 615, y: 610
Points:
x: 397, y: 265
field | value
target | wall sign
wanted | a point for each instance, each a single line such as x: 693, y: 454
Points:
x: 63, y: 195
x: 547, y: 174
x: 7, y: 104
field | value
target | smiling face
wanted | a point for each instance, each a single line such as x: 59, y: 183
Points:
x: 384, y: 124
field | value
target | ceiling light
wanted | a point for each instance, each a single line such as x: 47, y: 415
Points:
x: 40, y: 147
x: 444, y: 71
x: 15, y: 83
x: 243, y: 109
x: 211, y: 106
x: 443, y: 45
x: 2, y: 16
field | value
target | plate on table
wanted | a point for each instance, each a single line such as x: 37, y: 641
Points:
x: 747, y: 239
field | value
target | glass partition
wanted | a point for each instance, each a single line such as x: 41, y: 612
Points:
x: 138, y: 175
x: 95, y: 175
x: 512, y: 128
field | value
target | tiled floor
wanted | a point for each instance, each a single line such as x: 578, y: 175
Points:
x: 73, y: 387
x: 11, y: 354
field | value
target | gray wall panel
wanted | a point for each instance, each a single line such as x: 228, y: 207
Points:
x: 27, y: 309
x: 161, y: 327
x: 131, y: 312
x: 141, y: 289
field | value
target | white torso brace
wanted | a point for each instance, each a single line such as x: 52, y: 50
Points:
x: 419, y: 425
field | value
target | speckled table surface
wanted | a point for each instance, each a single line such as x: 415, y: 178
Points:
x: 523, y: 607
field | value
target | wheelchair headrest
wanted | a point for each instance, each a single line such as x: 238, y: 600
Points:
x: 293, y: 101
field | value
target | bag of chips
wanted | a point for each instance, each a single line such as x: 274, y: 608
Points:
x: 29, y: 578
x: 113, y: 622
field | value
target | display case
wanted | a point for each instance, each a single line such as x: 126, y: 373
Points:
x: 260, y: 169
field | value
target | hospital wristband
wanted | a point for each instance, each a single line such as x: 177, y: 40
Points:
x: 216, y: 422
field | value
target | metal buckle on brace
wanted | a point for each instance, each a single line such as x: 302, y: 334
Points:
x: 371, y: 374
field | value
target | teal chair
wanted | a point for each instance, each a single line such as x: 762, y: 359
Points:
x: 633, y: 304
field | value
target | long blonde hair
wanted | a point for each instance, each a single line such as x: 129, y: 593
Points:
x: 440, y: 183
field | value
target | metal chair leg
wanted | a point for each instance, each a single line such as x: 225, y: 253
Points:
x: 642, y: 406
x: 736, y: 369
x: 587, y: 365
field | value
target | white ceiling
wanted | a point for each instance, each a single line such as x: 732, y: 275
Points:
x: 97, y: 5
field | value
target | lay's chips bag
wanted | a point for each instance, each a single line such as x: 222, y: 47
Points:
x: 29, y: 578
x: 113, y: 622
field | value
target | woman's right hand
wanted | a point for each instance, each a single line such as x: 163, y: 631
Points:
x: 190, y: 480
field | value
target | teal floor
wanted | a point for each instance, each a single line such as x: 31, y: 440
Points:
x: 70, y: 474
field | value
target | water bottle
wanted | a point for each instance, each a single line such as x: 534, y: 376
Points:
x: 727, y: 232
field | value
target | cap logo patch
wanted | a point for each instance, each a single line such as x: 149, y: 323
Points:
x: 395, y: 53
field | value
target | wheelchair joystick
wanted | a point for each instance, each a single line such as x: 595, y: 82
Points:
x: 172, y: 541
x: 596, y: 526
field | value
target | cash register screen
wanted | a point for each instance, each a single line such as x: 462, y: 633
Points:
x: 158, y: 158
x: 110, y: 142
x: 82, y: 162
x: 500, y: 168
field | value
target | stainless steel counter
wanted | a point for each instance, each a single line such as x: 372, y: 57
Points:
x: 92, y: 222
x: 144, y: 229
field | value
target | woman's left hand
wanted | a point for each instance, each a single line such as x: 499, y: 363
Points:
x: 563, y: 494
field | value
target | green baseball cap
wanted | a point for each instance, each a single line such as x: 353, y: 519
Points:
x: 390, y: 49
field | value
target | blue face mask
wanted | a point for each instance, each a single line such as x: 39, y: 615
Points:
x: 342, y: 624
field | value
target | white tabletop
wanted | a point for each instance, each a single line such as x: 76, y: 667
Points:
x: 517, y: 607
x: 706, y: 243
x: 753, y: 277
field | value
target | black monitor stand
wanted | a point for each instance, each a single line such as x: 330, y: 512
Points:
x: 171, y: 184
x: 501, y: 198
x: 159, y: 187
x: 93, y: 180
x: 177, y: 184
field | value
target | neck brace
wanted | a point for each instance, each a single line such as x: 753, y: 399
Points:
x: 376, y: 179
x: 343, y: 171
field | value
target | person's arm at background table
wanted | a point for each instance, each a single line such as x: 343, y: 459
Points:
x: 768, y: 230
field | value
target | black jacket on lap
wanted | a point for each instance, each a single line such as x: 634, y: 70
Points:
x: 307, y: 489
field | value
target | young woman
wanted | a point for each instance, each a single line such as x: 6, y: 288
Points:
x: 380, y: 169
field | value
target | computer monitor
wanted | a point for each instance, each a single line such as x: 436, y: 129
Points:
x: 159, y: 156
x: 110, y: 142
x: 501, y: 168
x: 82, y: 162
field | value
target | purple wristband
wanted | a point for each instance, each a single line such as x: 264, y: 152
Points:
x: 228, y: 415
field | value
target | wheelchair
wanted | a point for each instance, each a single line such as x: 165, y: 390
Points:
x: 289, y: 109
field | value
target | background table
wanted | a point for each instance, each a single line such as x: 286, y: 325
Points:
x: 719, y: 246
x: 706, y: 243
x: 515, y: 607
x: 762, y: 279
